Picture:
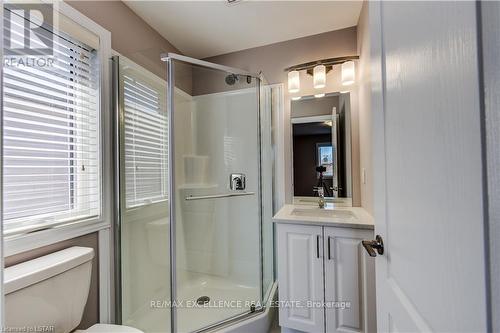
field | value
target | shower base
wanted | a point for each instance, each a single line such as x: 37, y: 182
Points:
x: 193, y: 318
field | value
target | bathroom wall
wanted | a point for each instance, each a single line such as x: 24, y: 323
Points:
x: 91, y: 312
x: 130, y: 35
x: 314, y: 107
x: 273, y: 59
x: 364, y: 91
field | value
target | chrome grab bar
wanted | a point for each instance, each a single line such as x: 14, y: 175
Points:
x: 214, y: 196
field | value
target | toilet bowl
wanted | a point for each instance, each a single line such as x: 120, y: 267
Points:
x: 51, y: 291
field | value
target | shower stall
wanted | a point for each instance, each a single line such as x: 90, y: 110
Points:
x: 194, y: 237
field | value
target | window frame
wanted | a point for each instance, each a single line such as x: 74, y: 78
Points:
x: 58, y: 232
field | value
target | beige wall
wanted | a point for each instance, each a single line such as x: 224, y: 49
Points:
x: 91, y: 312
x: 364, y: 90
x: 314, y: 107
x: 130, y: 35
x: 273, y: 59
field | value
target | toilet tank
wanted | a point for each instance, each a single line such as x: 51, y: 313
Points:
x: 49, y: 291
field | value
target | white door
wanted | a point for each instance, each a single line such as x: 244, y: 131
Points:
x: 300, y: 278
x: 1, y: 179
x: 428, y: 167
x: 349, y: 281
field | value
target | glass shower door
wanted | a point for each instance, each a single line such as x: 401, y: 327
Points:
x: 215, y: 194
x: 142, y: 231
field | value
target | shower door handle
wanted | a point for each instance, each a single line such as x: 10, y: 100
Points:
x: 215, y: 196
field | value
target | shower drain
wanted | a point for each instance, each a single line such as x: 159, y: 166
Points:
x: 202, y: 300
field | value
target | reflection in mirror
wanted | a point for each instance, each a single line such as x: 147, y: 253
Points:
x: 321, y: 130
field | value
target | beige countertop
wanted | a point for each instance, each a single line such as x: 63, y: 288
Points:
x: 332, y: 215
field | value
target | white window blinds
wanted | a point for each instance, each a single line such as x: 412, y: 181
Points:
x: 51, y: 134
x: 145, y: 135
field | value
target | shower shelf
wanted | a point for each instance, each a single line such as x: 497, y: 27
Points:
x: 215, y: 196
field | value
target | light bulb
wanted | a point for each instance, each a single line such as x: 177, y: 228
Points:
x: 319, y: 76
x: 293, y: 82
x: 348, y: 73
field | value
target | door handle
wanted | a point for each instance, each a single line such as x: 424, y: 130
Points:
x: 377, y: 244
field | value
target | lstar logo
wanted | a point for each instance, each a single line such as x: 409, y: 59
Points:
x: 28, y: 29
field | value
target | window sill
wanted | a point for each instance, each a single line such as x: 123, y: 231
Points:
x: 22, y: 243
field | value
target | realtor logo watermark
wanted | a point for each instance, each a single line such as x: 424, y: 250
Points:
x: 29, y: 34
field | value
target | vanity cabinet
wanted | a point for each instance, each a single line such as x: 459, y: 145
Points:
x: 326, y: 280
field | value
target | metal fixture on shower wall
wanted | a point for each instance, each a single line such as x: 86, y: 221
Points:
x: 231, y: 79
x: 318, y: 69
x: 237, y: 181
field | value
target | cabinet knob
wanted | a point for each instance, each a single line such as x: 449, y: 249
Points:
x: 372, y: 245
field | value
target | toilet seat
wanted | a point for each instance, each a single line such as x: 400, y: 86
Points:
x: 108, y: 328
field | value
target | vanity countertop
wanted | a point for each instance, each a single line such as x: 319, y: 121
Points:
x: 331, y: 215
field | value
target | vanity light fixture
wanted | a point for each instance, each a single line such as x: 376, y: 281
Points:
x: 293, y: 82
x: 348, y: 73
x: 296, y: 98
x: 319, y: 76
x: 318, y: 69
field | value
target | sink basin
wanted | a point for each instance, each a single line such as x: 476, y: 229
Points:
x: 326, y: 213
x: 314, y: 200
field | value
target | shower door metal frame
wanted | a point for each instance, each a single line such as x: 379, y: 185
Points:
x: 118, y: 197
x: 169, y: 58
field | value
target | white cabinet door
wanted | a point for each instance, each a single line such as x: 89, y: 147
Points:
x: 349, y: 281
x: 300, y: 276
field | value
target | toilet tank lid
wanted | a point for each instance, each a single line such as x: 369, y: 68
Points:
x: 33, y: 271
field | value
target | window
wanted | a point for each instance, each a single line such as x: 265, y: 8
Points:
x: 51, y: 134
x: 325, y: 158
x: 145, y: 135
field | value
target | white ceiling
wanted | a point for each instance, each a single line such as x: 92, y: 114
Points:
x: 206, y: 28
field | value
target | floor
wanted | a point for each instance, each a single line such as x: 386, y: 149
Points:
x: 222, y: 293
x: 224, y: 297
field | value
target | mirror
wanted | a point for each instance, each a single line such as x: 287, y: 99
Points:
x: 321, y: 132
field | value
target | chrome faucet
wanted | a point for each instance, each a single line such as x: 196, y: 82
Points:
x: 321, y: 195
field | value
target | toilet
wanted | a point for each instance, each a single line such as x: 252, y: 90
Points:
x: 51, y: 292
